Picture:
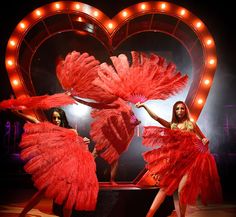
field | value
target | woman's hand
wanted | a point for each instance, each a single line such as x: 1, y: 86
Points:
x: 68, y: 93
x: 86, y: 140
x: 205, y: 141
x: 139, y: 105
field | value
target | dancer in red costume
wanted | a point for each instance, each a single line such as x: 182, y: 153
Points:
x: 113, y: 130
x: 62, y: 167
x: 112, y: 86
x: 182, y: 160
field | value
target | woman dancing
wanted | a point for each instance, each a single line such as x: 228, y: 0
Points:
x: 182, y: 160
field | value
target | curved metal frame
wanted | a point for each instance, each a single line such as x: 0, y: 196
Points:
x: 203, y: 71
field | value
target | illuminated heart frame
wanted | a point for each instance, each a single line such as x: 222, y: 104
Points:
x: 163, y: 17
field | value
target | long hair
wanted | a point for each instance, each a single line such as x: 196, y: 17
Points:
x: 174, y: 116
x: 61, y: 112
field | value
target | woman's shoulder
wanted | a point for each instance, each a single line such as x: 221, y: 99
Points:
x: 190, y: 125
x: 173, y: 125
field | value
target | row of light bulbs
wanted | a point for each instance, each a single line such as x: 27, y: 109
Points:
x: 59, y: 7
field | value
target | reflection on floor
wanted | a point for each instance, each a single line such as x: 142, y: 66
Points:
x: 219, y: 210
x: 12, y: 202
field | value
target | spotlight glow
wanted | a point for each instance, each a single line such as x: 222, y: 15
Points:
x: 79, y: 110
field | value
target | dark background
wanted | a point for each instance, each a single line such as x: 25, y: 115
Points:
x: 219, y: 18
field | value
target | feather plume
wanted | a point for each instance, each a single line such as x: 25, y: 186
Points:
x: 37, y: 102
x: 60, y: 165
x: 113, y: 130
x: 147, y: 78
x: 76, y: 74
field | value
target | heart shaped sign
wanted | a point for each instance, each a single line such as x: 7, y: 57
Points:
x: 47, y: 21
x: 165, y: 17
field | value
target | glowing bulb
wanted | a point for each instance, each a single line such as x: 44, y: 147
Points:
x: 22, y: 25
x: 57, y: 6
x: 209, y: 42
x: 124, y: 14
x: 110, y: 25
x: 200, y: 101
x: 191, y: 119
x: 38, y: 12
x: 211, y: 61
x: 182, y: 12
x: 143, y: 6
x: 95, y: 13
x: 77, y: 6
x: 206, y: 82
x: 10, y: 62
x: 15, y: 82
x: 12, y: 43
x: 198, y: 24
x: 163, y: 6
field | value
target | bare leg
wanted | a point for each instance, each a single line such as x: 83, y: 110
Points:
x: 32, y: 203
x: 95, y: 153
x: 67, y: 212
x: 182, y: 207
x: 160, y: 197
x: 114, y: 167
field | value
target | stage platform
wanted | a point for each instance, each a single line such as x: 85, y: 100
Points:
x: 124, y: 199
x: 13, y: 200
x: 120, y: 199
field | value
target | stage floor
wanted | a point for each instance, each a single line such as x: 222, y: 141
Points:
x: 13, y: 200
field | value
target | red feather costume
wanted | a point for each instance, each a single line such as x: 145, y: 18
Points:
x: 60, y: 163
x: 182, y: 153
x: 113, y: 130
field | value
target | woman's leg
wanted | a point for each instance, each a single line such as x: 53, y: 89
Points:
x: 160, y: 197
x: 114, y: 167
x: 94, y: 153
x: 32, y: 203
x: 67, y: 212
x: 182, y: 207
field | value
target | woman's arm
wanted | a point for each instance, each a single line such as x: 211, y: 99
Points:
x: 85, y: 139
x: 97, y: 105
x: 200, y: 134
x: 26, y: 117
x: 153, y: 115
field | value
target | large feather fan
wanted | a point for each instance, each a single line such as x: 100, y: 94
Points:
x: 37, y: 102
x: 113, y: 130
x: 76, y: 74
x: 148, y: 78
x: 61, y: 164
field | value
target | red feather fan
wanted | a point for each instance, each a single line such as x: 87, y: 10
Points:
x: 37, y: 102
x: 180, y: 153
x: 148, y: 78
x: 113, y: 130
x: 76, y: 74
x: 59, y: 162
